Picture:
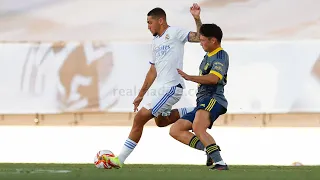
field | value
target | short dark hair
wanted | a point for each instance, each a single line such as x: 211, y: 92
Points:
x: 211, y: 30
x: 157, y: 12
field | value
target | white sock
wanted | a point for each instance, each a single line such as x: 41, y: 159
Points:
x: 127, y: 148
x: 221, y: 162
x: 183, y: 111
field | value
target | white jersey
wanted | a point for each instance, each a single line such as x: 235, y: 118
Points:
x: 167, y: 51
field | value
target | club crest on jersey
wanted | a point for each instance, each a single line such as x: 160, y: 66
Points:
x: 206, y: 66
x: 167, y: 37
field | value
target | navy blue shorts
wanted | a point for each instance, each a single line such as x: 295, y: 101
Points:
x: 208, y: 104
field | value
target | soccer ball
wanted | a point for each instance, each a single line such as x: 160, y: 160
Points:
x: 99, y: 162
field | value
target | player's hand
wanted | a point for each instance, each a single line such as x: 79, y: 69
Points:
x: 136, y: 103
x: 195, y: 10
x: 184, y: 75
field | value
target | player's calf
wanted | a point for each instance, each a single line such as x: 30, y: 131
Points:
x: 141, y: 118
x: 197, y: 144
x: 180, y: 132
x: 203, y: 120
x: 166, y: 119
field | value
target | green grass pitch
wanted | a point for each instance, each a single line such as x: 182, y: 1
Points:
x: 156, y: 172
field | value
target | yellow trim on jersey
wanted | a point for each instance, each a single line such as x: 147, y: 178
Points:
x: 214, y: 52
x: 216, y: 73
x: 210, y: 105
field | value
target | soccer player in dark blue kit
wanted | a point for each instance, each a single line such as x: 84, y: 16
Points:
x: 211, y: 102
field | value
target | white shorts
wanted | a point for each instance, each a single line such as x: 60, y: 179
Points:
x: 164, y: 99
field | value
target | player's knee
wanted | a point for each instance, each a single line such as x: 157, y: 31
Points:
x: 198, y: 130
x: 174, y: 131
x: 174, y: 115
x: 141, y: 118
x: 201, y: 122
x: 161, y: 121
x: 161, y: 124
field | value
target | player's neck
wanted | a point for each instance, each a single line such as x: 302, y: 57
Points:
x: 163, y: 29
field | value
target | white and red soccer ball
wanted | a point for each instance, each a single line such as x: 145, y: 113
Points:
x: 99, y: 161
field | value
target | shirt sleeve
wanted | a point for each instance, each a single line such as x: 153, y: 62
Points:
x: 220, y: 67
x: 153, y: 59
x: 182, y: 35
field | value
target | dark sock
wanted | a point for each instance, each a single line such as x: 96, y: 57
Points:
x: 214, y: 152
x: 196, y: 143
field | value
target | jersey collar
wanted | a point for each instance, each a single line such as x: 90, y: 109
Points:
x: 164, y: 32
x: 214, y: 52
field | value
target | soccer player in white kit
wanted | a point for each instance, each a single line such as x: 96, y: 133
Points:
x: 168, y: 49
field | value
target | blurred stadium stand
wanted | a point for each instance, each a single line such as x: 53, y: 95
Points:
x: 54, y: 20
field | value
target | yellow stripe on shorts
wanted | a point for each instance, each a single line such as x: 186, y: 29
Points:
x: 211, y: 104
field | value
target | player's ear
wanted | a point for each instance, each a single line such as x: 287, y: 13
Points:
x: 161, y: 21
x: 213, y: 40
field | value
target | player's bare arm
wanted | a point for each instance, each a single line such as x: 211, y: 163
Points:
x: 195, y: 11
x: 150, y: 77
x: 210, y: 78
